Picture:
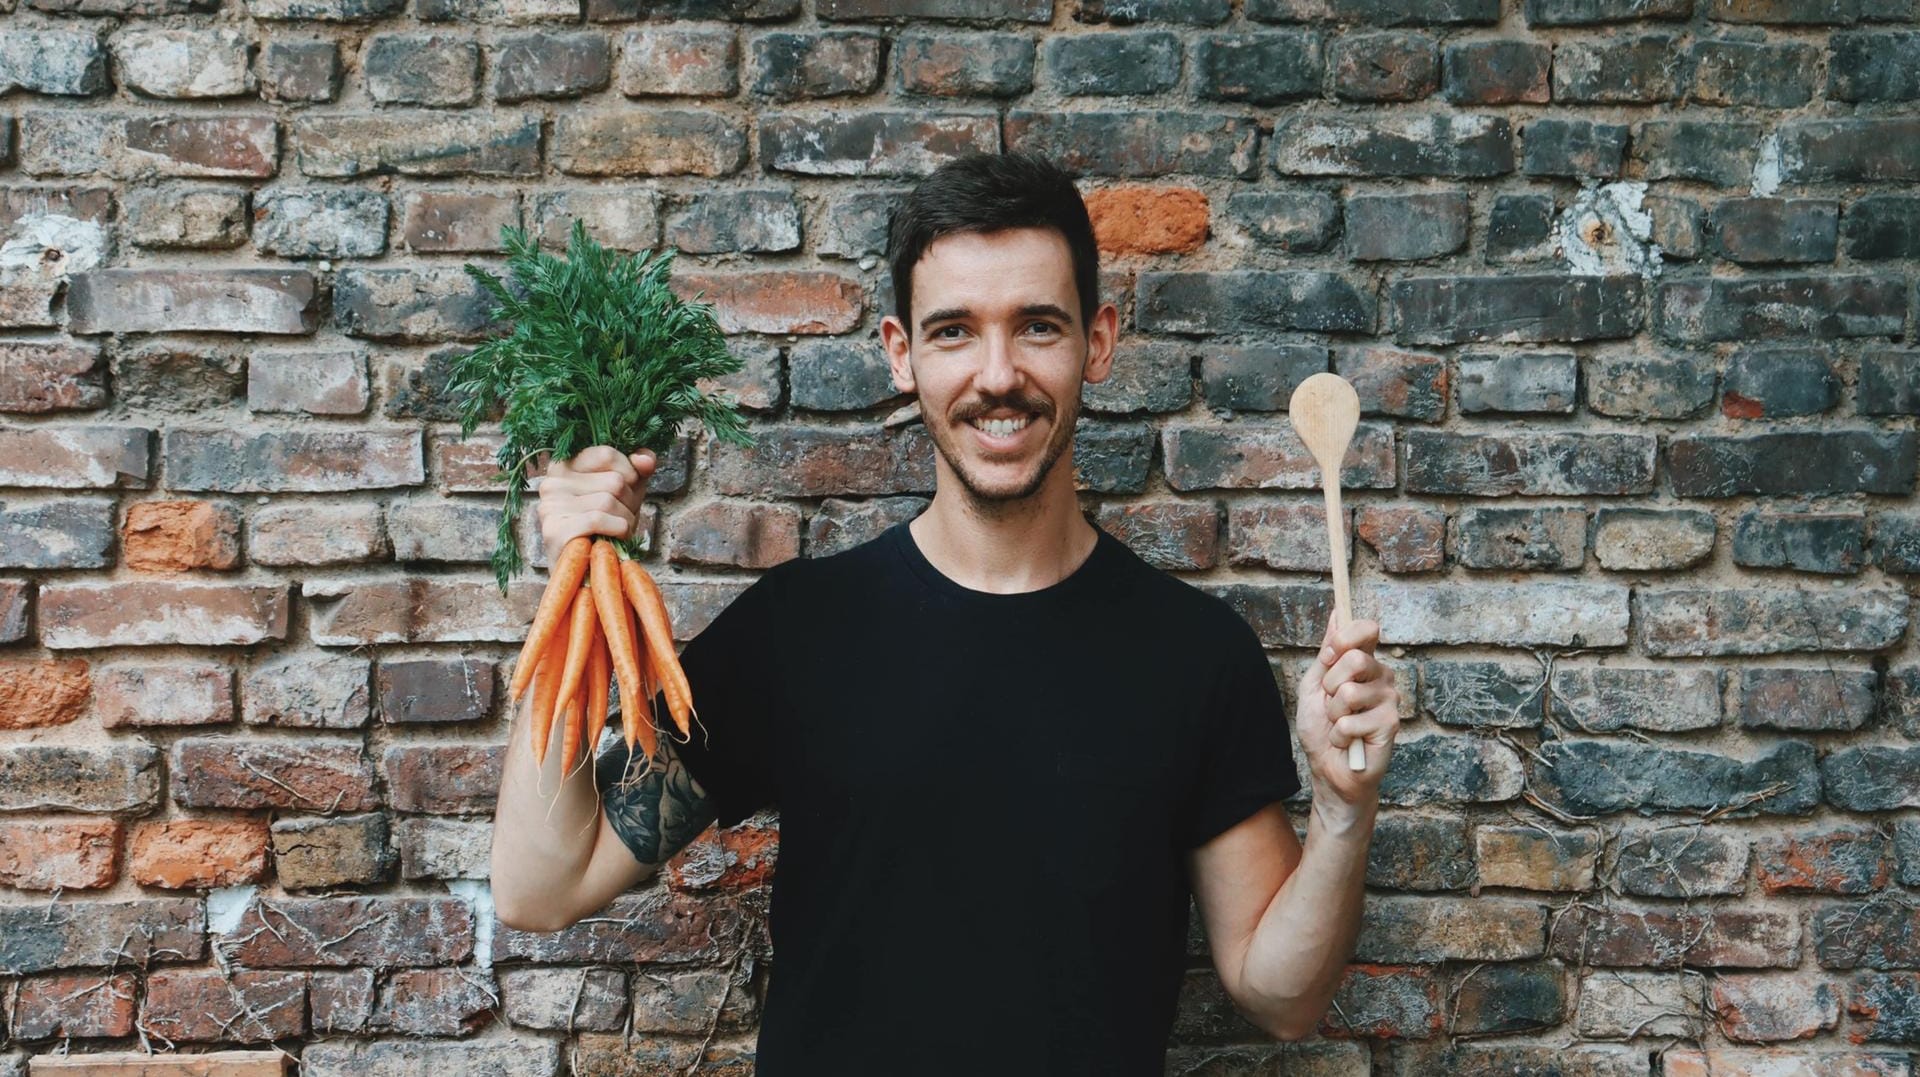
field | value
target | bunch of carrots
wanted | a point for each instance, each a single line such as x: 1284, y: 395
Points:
x: 600, y: 609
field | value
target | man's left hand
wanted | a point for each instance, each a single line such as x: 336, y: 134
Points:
x: 1346, y: 693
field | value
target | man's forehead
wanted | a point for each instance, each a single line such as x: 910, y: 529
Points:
x: 995, y: 272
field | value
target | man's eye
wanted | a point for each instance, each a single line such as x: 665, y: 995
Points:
x: 1045, y: 327
x: 948, y: 332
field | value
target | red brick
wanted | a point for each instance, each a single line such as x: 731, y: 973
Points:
x: 72, y: 143
x: 1287, y: 536
x: 1531, y: 859
x: 340, y: 1001
x: 1135, y: 219
x: 122, y: 777
x: 738, y: 858
x: 343, y: 932
x: 679, y: 61
x: 209, y: 1005
x: 41, y: 692
x: 435, y: 1002
x: 484, y: 142
x: 74, y: 457
x: 183, y: 854
x: 79, y: 1005
x: 277, y: 301
x: 316, y: 852
x: 1660, y: 938
x: 142, y: 613
x: 648, y: 142
x: 1767, y: 1008
x: 685, y: 1001
x: 657, y: 925
x: 178, y: 536
x: 332, y: 382
x: 41, y: 376
x: 468, y: 465
x: 308, y: 534
x: 443, y: 779
x: 602, y: 1054
x: 745, y: 534
x: 778, y: 301
x: 1390, y: 1001
x: 1172, y: 535
x: 458, y: 221
x: 1406, y: 539
x: 1388, y: 381
x: 143, y: 1064
x: 437, y: 609
x: 1786, y: 1062
x: 1854, y: 860
x: 59, y: 854
x: 174, y: 694
x: 308, y: 774
x: 13, y: 610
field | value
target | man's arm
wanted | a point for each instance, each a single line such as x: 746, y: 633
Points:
x: 556, y: 854
x: 1282, y: 922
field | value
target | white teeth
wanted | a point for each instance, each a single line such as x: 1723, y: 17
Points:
x: 1001, y: 427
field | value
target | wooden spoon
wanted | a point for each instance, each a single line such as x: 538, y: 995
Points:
x: 1324, y: 410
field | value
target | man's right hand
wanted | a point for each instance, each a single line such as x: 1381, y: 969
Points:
x: 597, y: 492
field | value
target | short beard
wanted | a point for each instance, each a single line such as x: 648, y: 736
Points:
x: 1002, y: 502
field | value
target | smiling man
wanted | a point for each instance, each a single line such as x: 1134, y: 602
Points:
x: 1007, y: 753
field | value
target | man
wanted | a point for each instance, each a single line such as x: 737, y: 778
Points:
x: 1004, y: 749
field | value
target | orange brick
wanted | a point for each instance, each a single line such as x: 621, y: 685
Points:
x: 59, y: 854
x: 182, y: 853
x: 39, y: 692
x: 176, y: 536
x: 1148, y: 220
x: 737, y: 858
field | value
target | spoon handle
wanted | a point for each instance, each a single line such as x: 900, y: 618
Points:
x: 1342, y: 603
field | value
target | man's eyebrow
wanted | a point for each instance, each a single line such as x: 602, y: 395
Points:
x: 945, y: 314
x: 1045, y: 310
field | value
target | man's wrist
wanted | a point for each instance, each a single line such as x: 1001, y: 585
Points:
x: 1341, y: 819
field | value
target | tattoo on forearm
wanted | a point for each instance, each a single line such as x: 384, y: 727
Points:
x: 657, y: 808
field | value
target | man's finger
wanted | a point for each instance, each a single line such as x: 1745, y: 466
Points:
x: 605, y: 458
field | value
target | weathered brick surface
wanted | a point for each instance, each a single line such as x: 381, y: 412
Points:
x: 1627, y: 290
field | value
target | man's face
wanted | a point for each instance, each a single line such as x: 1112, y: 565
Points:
x: 997, y: 334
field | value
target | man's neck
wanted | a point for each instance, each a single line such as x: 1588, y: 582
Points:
x: 1028, y: 548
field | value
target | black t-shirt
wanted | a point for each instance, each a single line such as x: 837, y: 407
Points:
x: 985, y: 802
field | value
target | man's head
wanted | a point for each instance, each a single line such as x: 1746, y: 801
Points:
x: 997, y: 314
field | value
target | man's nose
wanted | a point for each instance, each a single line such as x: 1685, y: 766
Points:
x: 998, y: 375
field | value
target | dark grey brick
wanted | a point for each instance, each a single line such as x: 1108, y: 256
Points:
x: 900, y: 143
x: 1576, y: 148
x: 1257, y: 377
x: 1590, y: 12
x: 1896, y: 548
x: 1431, y: 145
x: 1497, y: 72
x: 434, y: 69
x: 1387, y: 66
x: 1827, y: 307
x: 1874, y: 66
x: 1534, y: 464
x: 550, y: 65
x: 1773, y: 382
x: 1679, y: 228
x: 1519, y: 539
x: 1652, y: 540
x: 1775, y: 230
x: 1596, y: 777
x: 1889, y: 383
x: 1443, y: 768
x: 1376, y: 12
x: 68, y: 533
x: 1766, y: 75
x: 1112, y: 458
x: 965, y: 10
x: 855, y: 224
x: 1146, y: 377
x: 1784, y: 12
x: 1515, y: 309
x: 1246, y: 300
x: 1138, y: 144
x: 1864, y: 150
x: 1114, y: 64
x: 1649, y: 387
x: 1699, y: 622
x: 1720, y: 153
x: 1607, y: 699
x: 1681, y: 862
x: 1792, y: 462
x: 839, y: 375
x: 1497, y: 998
x: 1871, y: 778
x: 1302, y: 221
x: 1527, y: 382
x: 319, y: 222
x: 299, y: 70
x: 1639, y: 70
x: 1520, y: 228
x: 1830, y: 542
x: 791, y: 67
x: 1403, y: 384
x: 728, y: 10
x: 965, y: 65
x: 762, y: 220
x: 456, y: 689
x: 1128, y: 12
x: 1260, y: 69
x: 1405, y: 227
x: 1882, y: 226
x: 841, y: 525
x: 1417, y: 852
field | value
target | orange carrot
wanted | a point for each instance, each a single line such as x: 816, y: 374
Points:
x: 652, y: 609
x: 599, y: 671
x: 580, y: 639
x: 563, y: 579
x: 605, y: 580
x: 546, y: 692
x: 642, y: 727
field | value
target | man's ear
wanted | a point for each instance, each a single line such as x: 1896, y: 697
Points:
x: 1103, y: 335
x: 898, y: 342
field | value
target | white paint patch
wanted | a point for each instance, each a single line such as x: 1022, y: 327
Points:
x: 51, y: 246
x: 478, y: 894
x: 1607, y: 231
x: 1767, y: 170
x: 226, y: 906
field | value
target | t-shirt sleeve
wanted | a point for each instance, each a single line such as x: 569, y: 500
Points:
x: 729, y: 668
x: 1246, y: 758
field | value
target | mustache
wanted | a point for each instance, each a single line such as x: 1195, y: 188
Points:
x: 1036, y: 407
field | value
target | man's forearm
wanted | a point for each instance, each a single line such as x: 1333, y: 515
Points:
x: 1299, y: 951
x: 544, y: 825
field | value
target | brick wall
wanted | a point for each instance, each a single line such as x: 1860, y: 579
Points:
x: 1627, y: 288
